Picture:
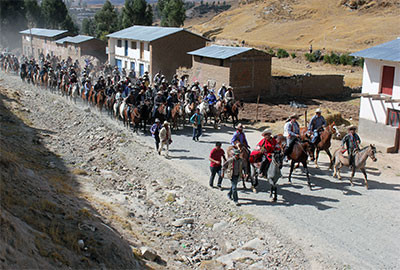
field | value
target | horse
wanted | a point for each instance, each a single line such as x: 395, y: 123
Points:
x: 244, y: 155
x: 190, y: 109
x: 360, y: 159
x: 177, y: 114
x: 325, y: 141
x: 274, y: 173
x: 231, y: 111
x: 101, y: 98
x: 161, y: 112
x: 145, y: 113
x: 74, y: 91
x: 204, y: 108
x: 135, y: 118
x: 215, y: 112
x: 110, y: 103
x: 300, y: 155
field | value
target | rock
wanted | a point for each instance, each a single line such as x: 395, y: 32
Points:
x: 237, y: 255
x: 257, y: 266
x: 229, y: 247
x: 220, y: 226
x: 255, y: 244
x: 87, y: 110
x: 182, y: 221
x: 148, y: 253
x: 81, y: 244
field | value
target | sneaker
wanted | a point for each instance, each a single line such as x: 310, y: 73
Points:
x: 211, y: 186
x: 237, y: 203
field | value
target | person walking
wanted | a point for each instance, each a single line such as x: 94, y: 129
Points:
x: 216, y: 155
x: 165, y: 138
x: 197, y: 120
x: 233, y: 167
x: 155, y: 132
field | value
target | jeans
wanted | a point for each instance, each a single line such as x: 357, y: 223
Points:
x: 214, y: 171
x: 197, y: 132
x: 289, y: 145
x: 315, y: 137
x: 233, y: 192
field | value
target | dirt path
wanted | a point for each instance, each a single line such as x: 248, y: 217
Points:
x: 333, y: 226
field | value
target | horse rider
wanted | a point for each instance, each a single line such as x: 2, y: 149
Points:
x: 352, y: 143
x: 175, y: 80
x: 205, y: 91
x: 229, y: 98
x: 211, y: 98
x: 181, y: 83
x: 192, y: 96
x: 269, y: 145
x: 293, y: 134
x: 195, y: 87
x: 158, y: 100
x: 172, y: 99
x: 239, y: 136
x: 315, y: 126
x: 222, y: 92
x: 87, y: 86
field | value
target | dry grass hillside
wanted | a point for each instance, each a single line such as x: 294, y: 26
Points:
x: 338, y: 25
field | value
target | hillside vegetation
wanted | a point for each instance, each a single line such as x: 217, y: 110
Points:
x: 336, y: 25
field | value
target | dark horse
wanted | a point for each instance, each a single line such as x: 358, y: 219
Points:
x: 299, y: 154
x: 231, y: 111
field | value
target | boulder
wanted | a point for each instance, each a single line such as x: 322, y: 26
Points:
x: 255, y: 244
x: 148, y: 253
x: 182, y: 221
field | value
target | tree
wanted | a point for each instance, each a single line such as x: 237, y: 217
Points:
x: 172, y: 12
x: 33, y: 13
x: 68, y: 24
x: 54, y: 13
x: 106, y: 20
x: 136, y: 12
x: 88, y: 27
x: 12, y: 20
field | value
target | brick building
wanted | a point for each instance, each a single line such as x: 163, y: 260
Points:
x: 153, y: 49
x: 81, y: 45
x: 247, y: 70
x: 39, y: 40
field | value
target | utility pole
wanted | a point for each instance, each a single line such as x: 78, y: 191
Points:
x: 30, y: 31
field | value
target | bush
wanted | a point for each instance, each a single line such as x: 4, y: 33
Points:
x: 271, y: 52
x: 282, y: 53
x: 310, y: 57
x: 327, y: 59
x: 346, y: 59
x: 334, y: 59
x: 293, y: 55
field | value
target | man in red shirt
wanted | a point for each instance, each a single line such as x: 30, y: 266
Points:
x: 215, y: 158
x: 269, y: 145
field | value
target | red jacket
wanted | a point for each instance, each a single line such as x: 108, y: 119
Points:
x: 271, y: 145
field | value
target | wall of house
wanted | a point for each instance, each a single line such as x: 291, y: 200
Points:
x: 210, y: 71
x: 250, y: 75
x: 40, y: 44
x: 373, y: 113
x: 94, y: 47
x: 308, y: 86
x: 169, y: 53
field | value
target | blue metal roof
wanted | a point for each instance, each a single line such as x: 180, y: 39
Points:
x: 219, y: 52
x: 41, y: 32
x: 76, y: 39
x: 389, y: 51
x: 145, y: 33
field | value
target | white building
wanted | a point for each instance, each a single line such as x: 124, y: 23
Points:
x: 153, y: 49
x: 380, y: 98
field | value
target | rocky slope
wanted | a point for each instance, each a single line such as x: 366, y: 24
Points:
x: 71, y: 174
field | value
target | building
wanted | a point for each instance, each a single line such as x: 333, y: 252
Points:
x: 79, y: 46
x: 38, y: 40
x: 153, y: 49
x: 247, y: 70
x: 380, y: 98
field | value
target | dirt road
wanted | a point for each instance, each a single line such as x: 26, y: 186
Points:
x: 332, y: 226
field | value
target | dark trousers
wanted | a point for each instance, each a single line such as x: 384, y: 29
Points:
x: 197, y: 132
x: 289, y: 148
x: 233, y: 192
x: 264, y: 165
x: 214, y: 171
x: 157, y: 139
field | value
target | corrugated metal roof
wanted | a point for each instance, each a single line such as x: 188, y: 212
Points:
x: 219, y: 52
x: 44, y: 32
x: 389, y: 51
x: 145, y: 33
x: 76, y: 39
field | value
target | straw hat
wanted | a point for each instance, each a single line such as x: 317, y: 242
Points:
x: 266, y: 131
x: 166, y: 123
x: 318, y: 110
x: 157, y: 120
x: 239, y: 126
x: 352, y: 127
x: 294, y: 116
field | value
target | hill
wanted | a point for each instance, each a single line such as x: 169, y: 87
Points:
x: 344, y: 25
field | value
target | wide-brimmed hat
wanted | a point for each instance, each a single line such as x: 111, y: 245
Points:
x: 174, y: 91
x: 157, y: 120
x: 352, y: 127
x: 229, y: 87
x: 266, y: 131
x: 293, y: 116
x: 159, y: 93
x: 318, y: 110
x: 166, y: 123
x: 239, y: 126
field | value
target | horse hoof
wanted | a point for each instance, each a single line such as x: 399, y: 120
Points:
x: 255, y: 190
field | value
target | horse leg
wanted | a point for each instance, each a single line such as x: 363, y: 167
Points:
x: 291, y: 170
x: 275, y: 193
x: 365, y: 177
x: 316, y: 158
x: 338, y: 171
x: 307, y: 173
x: 330, y: 158
x: 271, y: 191
x: 353, y: 172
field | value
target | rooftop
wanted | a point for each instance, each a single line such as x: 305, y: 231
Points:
x: 76, y: 39
x: 219, y: 52
x: 389, y: 51
x: 41, y: 32
x: 145, y: 33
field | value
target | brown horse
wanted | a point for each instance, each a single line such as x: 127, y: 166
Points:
x: 135, y: 118
x: 244, y: 155
x: 300, y: 155
x: 232, y: 111
x: 101, y: 98
x: 324, y: 143
x: 360, y: 160
x: 177, y: 114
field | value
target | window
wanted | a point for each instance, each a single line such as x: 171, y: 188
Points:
x: 119, y: 43
x: 133, y: 45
